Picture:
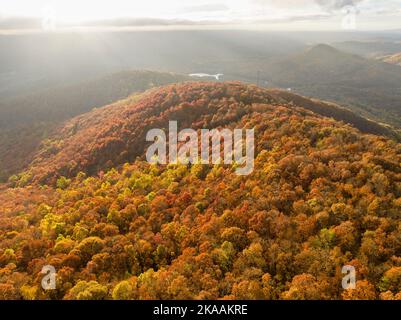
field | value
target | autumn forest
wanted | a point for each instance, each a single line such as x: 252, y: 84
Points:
x: 323, y: 195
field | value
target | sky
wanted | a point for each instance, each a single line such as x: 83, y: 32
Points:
x: 265, y: 14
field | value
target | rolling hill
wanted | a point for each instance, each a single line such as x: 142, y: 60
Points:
x: 27, y: 120
x: 339, y: 113
x: 372, y: 48
x: 33, y: 62
x: 368, y: 87
x: 118, y: 130
x: 322, y: 195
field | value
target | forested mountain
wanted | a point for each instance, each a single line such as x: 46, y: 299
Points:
x: 369, y: 87
x: 322, y: 195
x: 31, y: 63
x: 27, y: 120
x: 30, y: 123
x: 370, y: 48
x: 64, y: 102
x: 332, y: 110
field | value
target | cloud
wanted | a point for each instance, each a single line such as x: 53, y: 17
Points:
x: 211, y: 7
x: 28, y: 23
x: 225, y: 13
x: 144, y: 22
x: 337, y: 4
x: 328, y: 5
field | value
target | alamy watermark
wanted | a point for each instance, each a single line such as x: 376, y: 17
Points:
x: 235, y: 150
x: 49, y: 280
x: 49, y: 19
x: 349, y: 18
x: 349, y: 280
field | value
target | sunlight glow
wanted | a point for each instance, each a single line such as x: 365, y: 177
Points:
x: 66, y: 13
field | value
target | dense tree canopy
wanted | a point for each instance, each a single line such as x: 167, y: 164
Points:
x: 322, y: 196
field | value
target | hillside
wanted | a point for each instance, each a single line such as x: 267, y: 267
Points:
x: 368, y: 87
x: 338, y: 113
x: 115, y: 134
x: 30, y: 120
x: 322, y: 196
x: 65, y: 102
x: 27, y: 120
x: 36, y: 61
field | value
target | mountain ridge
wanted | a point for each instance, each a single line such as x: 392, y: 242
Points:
x: 115, y: 134
x: 368, y: 87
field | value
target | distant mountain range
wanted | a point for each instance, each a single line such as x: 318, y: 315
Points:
x: 371, y: 89
x: 28, y: 121
x: 368, y: 87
